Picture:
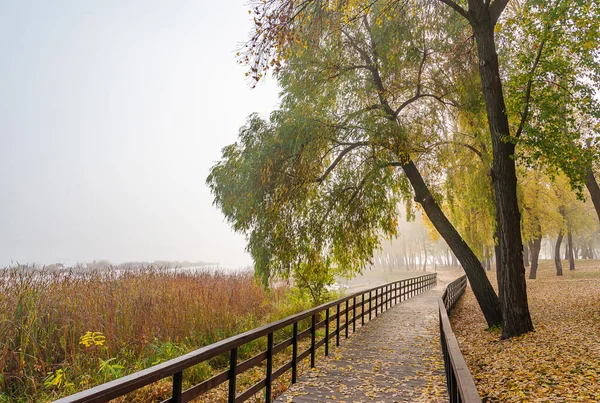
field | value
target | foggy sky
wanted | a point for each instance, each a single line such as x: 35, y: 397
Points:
x: 111, y: 114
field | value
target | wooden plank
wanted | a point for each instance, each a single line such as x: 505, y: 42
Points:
x: 251, y: 362
x: 281, y: 370
x: 197, y: 390
x: 251, y: 391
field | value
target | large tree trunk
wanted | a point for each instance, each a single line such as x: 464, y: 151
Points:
x: 525, y: 255
x: 512, y: 284
x: 557, y: 262
x: 571, y: 256
x: 484, y: 293
x: 594, y: 189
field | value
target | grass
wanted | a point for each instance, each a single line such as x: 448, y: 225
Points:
x: 127, y: 321
x: 560, y: 361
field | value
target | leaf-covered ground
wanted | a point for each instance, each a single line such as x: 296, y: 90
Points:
x: 560, y: 361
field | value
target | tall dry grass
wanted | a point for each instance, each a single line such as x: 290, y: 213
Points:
x: 147, y: 316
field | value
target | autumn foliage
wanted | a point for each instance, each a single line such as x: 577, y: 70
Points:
x: 560, y: 361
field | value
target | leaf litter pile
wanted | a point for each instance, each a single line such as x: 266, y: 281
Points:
x: 559, y: 362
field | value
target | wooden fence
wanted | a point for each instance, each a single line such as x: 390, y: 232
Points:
x: 355, y: 309
x: 461, y: 387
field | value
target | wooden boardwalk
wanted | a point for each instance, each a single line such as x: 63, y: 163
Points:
x: 395, y: 358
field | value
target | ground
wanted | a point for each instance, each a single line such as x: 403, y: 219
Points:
x: 395, y: 358
x: 560, y: 361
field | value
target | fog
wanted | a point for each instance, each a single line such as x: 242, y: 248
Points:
x: 111, y: 114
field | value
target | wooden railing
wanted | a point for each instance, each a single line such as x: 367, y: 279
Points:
x: 355, y: 309
x: 461, y: 387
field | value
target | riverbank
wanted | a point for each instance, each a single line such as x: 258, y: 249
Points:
x: 63, y: 332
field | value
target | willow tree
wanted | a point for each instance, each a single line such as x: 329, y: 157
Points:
x: 554, y: 27
x: 277, y: 27
x: 320, y: 182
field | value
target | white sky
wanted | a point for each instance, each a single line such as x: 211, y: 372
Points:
x: 111, y: 114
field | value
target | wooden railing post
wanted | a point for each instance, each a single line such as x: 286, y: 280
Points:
x: 370, y: 304
x: 313, y: 333
x: 354, y: 314
x: 346, y: 319
x: 337, y: 326
x: 232, y: 374
x: 326, y: 332
x: 362, y: 310
x: 269, y: 377
x: 294, y: 352
x: 177, y: 385
x: 385, y: 298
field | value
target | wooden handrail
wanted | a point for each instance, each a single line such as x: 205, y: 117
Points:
x: 461, y: 387
x: 385, y: 296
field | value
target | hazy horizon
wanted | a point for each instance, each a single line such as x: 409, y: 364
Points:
x: 111, y: 115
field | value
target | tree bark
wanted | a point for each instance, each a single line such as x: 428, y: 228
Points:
x: 535, y: 248
x: 525, y: 255
x: 557, y: 262
x: 498, y: 255
x: 484, y: 293
x: 511, y: 284
x: 594, y: 189
x: 570, y: 250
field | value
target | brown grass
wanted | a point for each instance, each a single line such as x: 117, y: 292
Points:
x: 147, y: 316
x: 560, y: 361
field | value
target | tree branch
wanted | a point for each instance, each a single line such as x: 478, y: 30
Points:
x: 496, y: 9
x: 339, y: 158
x: 456, y: 8
x: 459, y: 143
x: 525, y: 113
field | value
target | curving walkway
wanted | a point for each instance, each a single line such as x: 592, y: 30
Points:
x: 394, y: 358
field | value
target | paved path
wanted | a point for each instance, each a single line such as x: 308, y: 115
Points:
x: 394, y: 358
